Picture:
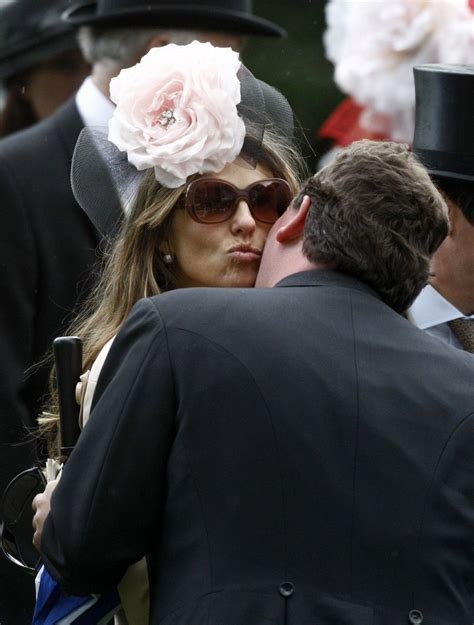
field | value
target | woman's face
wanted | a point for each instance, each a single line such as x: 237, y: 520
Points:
x: 225, y: 254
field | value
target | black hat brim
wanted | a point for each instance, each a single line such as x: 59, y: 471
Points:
x: 183, y: 16
x: 23, y: 58
x: 450, y: 175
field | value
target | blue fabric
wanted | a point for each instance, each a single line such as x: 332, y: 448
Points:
x: 53, y: 607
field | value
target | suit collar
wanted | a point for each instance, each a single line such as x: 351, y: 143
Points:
x: 325, y: 277
x: 68, y: 124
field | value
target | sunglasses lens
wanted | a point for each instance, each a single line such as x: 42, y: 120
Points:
x: 213, y: 201
x: 269, y: 200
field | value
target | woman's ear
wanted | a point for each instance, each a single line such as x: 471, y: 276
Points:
x: 163, y: 247
x: 293, y: 228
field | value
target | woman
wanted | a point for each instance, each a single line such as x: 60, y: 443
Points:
x: 218, y: 172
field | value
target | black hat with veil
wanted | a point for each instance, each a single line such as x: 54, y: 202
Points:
x: 182, y: 110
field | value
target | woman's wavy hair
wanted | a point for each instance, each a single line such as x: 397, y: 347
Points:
x: 376, y: 215
x: 134, y: 266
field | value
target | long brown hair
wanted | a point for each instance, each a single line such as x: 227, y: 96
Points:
x: 134, y: 267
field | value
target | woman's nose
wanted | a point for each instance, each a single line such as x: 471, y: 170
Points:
x: 242, y: 219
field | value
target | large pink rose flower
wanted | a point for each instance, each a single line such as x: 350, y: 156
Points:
x: 177, y: 111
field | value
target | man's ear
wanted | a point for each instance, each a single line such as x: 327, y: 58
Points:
x: 293, y: 229
x: 454, y: 214
x: 157, y: 41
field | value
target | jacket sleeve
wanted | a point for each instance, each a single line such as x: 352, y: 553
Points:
x: 105, y: 512
x: 18, y: 286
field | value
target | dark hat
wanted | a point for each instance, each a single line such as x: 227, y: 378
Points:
x: 31, y: 31
x: 444, y: 126
x: 217, y: 15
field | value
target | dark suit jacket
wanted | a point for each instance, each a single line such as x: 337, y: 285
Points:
x: 298, y: 455
x: 47, y: 249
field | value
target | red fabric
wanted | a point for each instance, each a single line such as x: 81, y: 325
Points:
x: 342, y: 126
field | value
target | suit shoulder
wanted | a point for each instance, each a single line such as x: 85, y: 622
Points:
x: 33, y: 142
x: 203, y: 299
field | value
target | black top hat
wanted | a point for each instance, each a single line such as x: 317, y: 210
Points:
x: 31, y: 31
x: 217, y: 15
x: 444, y: 127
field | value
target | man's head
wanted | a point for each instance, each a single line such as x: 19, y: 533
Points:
x: 109, y: 50
x: 444, y: 142
x: 40, y: 64
x: 372, y: 213
x: 115, y: 34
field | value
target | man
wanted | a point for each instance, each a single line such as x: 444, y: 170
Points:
x: 444, y: 141
x: 48, y: 246
x: 299, y: 454
x: 40, y: 63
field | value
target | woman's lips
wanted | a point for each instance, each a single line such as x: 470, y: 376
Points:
x: 245, y: 253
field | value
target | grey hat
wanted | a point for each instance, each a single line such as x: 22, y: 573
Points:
x: 216, y: 15
x: 31, y: 31
x: 444, y: 126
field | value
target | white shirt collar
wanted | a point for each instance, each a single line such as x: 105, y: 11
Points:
x: 94, y: 108
x: 431, y: 309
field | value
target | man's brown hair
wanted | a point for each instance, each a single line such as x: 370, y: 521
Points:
x: 376, y: 215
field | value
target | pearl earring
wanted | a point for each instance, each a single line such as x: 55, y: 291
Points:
x: 168, y: 259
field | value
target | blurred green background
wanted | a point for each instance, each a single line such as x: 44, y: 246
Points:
x: 297, y: 65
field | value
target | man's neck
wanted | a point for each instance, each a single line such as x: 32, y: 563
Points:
x: 283, y: 265
x: 457, y: 293
x: 101, y: 79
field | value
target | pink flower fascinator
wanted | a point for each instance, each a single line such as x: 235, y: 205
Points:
x: 177, y: 111
x: 182, y: 110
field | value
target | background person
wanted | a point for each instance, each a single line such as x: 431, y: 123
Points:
x: 445, y: 308
x: 48, y: 247
x: 283, y: 434
x: 41, y: 65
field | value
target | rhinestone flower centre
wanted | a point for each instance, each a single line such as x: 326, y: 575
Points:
x: 165, y: 119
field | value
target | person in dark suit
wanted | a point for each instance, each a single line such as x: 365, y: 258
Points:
x: 41, y: 65
x: 49, y: 248
x: 297, y: 454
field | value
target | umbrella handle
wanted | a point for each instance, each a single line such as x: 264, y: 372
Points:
x: 68, y: 361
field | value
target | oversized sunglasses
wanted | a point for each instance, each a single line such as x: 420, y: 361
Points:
x: 212, y: 201
x: 16, y: 530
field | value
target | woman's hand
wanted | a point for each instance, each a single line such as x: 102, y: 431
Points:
x: 41, y: 507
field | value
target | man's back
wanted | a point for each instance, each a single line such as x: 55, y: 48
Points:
x: 299, y: 454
